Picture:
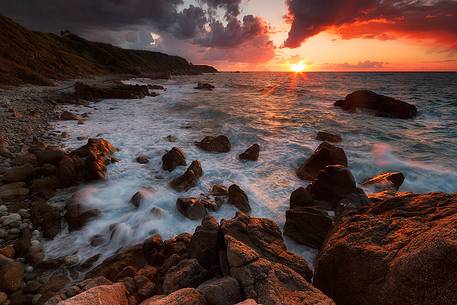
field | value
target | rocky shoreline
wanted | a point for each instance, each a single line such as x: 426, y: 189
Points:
x: 382, y: 248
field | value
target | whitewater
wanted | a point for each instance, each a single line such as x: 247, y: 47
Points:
x: 282, y: 112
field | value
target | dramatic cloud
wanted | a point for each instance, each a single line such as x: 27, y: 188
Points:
x: 129, y: 23
x: 381, y: 19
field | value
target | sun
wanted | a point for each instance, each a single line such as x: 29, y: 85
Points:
x: 298, y: 67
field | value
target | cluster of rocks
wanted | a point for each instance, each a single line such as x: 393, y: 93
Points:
x: 114, y: 90
x: 238, y: 261
x: 204, y: 86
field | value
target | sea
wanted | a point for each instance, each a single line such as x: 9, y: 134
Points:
x: 282, y: 112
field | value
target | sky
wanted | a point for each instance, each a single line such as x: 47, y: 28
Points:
x: 264, y: 35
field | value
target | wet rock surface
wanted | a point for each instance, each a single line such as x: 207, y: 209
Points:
x: 402, y: 250
x: 219, y: 144
x: 173, y: 158
x: 238, y: 198
x: 325, y: 154
x: 382, y: 105
x: 189, y: 179
x: 251, y: 154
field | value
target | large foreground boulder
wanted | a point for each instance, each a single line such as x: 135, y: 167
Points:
x: 219, y: 144
x: 325, y: 154
x: 86, y: 163
x: 382, y: 105
x: 100, y: 295
x: 399, y: 251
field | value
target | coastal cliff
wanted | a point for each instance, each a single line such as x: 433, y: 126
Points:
x: 29, y: 57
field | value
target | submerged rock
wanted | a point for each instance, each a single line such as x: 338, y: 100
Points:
x: 382, y: 105
x: 238, y: 198
x: 219, y: 144
x: 328, y: 137
x: 69, y: 116
x: 139, y: 197
x: 403, y: 250
x: 77, y: 215
x: 142, y: 159
x: 325, y: 154
x: 251, y: 154
x: 189, y: 179
x: 204, y: 86
x: 173, y: 158
x: 385, y: 182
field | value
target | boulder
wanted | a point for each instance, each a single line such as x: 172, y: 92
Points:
x: 44, y: 185
x: 219, y: 144
x: 77, y: 215
x: 260, y: 237
x: 238, y: 198
x: 219, y: 190
x: 325, y: 154
x: 11, y: 276
x: 186, y: 296
x: 385, y: 182
x: 13, y: 190
x: 336, y: 185
x: 191, y: 208
x: 19, y: 173
x: 68, y: 116
x: 204, y: 86
x: 100, y: 295
x: 50, y: 156
x: 142, y: 159
x: 204, y: 244
x: 399, y: 251
x: 187, y: 273
x: 300, y: 198
x: 221, y: 291
x: 308, y: 225
x: 86, y: 163
x: 47, y: 218
x: 113, y: 90
x: 380, y: 104
x: 251, y: 154
x: 173, y: 158
x: 328, y: 137
x: 139, y: 197
x: 189, y: 179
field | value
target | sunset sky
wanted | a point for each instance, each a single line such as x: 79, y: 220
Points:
x: 324, y: 35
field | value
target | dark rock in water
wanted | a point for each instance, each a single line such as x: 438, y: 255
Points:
x: 191, y: 208
x: 238, y: 198
x: 399, y: 251
x: 142, y: 159
x: 156, y: 87
x: 336, y: 185
x: 308, y: 225
x: 300, y: 198
x: 212, y: 204
x: 173, y: 158
x: 69, y: 116
x: 189, y: 179
x: 110, y: 91
x: 187, y: 274
x: 204, y: 86
x: 86, y: 163
x: 380, y: 104
x: 220, y: 144
x: 139, y: 197
x: 219, y: 190
x: 385, y: 182
x: 328, y: 137
x: 221, y: 291
x: 76, y: 214
x: 204, y: 246
x: 251, y: 154
x: 325, y: 154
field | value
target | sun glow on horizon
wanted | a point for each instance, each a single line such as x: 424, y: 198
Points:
x: 298, y: 67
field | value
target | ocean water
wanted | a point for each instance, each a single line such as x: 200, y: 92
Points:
x: 282, y: 112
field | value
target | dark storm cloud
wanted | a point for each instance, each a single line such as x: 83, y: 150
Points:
x: 381, y: 19
x: 129, y: 23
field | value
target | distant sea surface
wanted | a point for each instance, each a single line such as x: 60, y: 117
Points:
x: 282, y: 112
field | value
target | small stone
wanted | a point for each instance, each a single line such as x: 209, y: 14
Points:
x: 142, y: 159
x: 11, y: 218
